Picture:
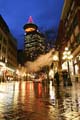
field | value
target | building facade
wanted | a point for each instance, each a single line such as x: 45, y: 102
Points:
x: 69, y: 35
x: 8, y: 51
x: 34, y: 43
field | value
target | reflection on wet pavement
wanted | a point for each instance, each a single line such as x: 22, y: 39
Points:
x: 35, y: 101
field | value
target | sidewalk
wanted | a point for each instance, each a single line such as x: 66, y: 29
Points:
x: 35, y: 101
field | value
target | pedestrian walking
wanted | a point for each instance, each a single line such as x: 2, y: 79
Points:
x: 56, y: 76
x: 65, y: 77
x: 69, y: 80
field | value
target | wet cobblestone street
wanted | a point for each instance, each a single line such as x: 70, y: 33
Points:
x: 35, y: 101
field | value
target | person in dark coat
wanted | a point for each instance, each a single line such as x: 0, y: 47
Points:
x: 65, y: 78
x: 56, y: 76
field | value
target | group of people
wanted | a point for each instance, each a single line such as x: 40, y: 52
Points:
x: 66, y: 78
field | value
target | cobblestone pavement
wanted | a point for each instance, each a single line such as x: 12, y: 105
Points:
x: 35, y: 101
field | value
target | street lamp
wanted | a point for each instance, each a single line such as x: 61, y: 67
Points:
x: 55, y: 61
x: 67, y: 56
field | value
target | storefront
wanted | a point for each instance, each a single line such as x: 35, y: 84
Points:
x: 2, y: 71
x: 65, y: 66
x: 77, y: 67
x: 74, y: 67
x: 6, y: 73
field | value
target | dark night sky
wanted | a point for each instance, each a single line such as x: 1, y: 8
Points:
x: 45, y: 13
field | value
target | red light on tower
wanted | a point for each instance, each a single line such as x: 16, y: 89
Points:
x: 30, y: 26
x: 30, y: 20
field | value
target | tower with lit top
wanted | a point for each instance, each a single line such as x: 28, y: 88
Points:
x: 30, y: 26
x: 34, y: 42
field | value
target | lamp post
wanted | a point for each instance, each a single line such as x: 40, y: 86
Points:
x: 55, y: 61
x: 53, y: 66
x: 67, y: 56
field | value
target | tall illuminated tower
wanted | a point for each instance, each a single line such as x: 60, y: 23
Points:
x: 34, y: 43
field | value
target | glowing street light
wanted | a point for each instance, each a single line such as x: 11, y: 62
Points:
x: 55, y: 58
x: 67, y: 56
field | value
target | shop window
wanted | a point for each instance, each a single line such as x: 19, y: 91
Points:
x: 76, y: 69
x: 76, y: 30
x: 0, y: 37
x: 3, y: 59
x: 4, y: 41
x: 4, y: 50
x: 75, y: 22
x: 72, y: 38
x: 78, y: 38
x: 69, y: 32
x: 72, y: 6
